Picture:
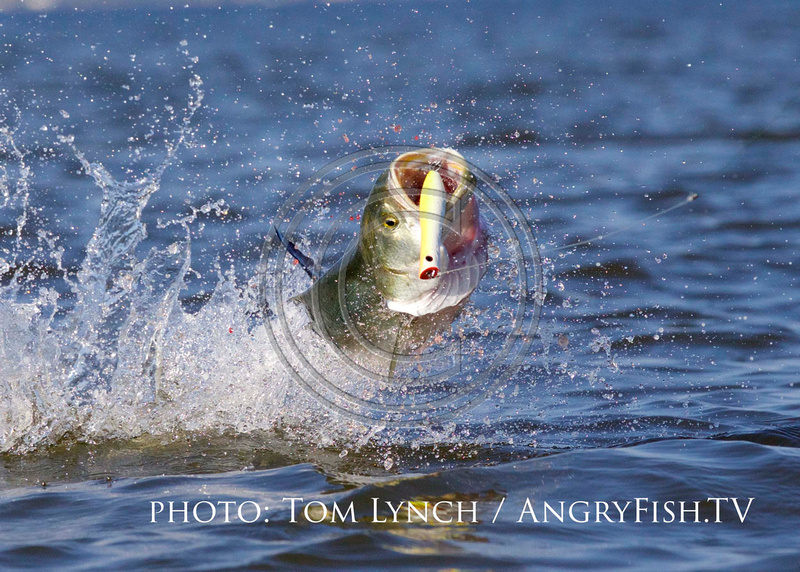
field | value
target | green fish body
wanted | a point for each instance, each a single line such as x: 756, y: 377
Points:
x: 421, y: 252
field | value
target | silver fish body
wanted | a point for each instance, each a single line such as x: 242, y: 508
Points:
x: 420, y: 253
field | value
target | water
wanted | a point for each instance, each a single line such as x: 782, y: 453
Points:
x: 144, y: 154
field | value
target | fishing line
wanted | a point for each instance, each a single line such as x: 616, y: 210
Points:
x: 599, y: 237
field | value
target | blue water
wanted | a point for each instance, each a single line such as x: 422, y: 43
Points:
x: 134, y: 363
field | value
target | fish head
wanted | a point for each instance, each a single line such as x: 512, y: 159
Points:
x: 420, y: 212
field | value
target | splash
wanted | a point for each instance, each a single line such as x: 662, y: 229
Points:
x: 112, y: 354
x: 117, y: 356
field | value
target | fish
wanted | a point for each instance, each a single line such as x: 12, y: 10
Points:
x: 420, y: 253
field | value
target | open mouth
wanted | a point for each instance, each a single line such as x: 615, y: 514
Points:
x: 408, y: 172
x: 430, y: 182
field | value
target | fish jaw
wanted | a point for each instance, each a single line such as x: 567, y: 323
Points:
x: 407, y: 176
x: 435, y: 216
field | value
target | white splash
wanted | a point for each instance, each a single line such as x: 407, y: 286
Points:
x: 127, y: 359
x: 119, y: 357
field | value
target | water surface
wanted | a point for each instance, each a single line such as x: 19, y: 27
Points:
x: 134, y: 364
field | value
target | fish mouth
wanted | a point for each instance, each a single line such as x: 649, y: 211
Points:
x: 407, y: 175
x: 431, y: 182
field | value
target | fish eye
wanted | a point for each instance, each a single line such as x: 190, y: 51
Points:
x: 390, y: 222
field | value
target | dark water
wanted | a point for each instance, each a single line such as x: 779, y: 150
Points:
x: 679, y: 379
